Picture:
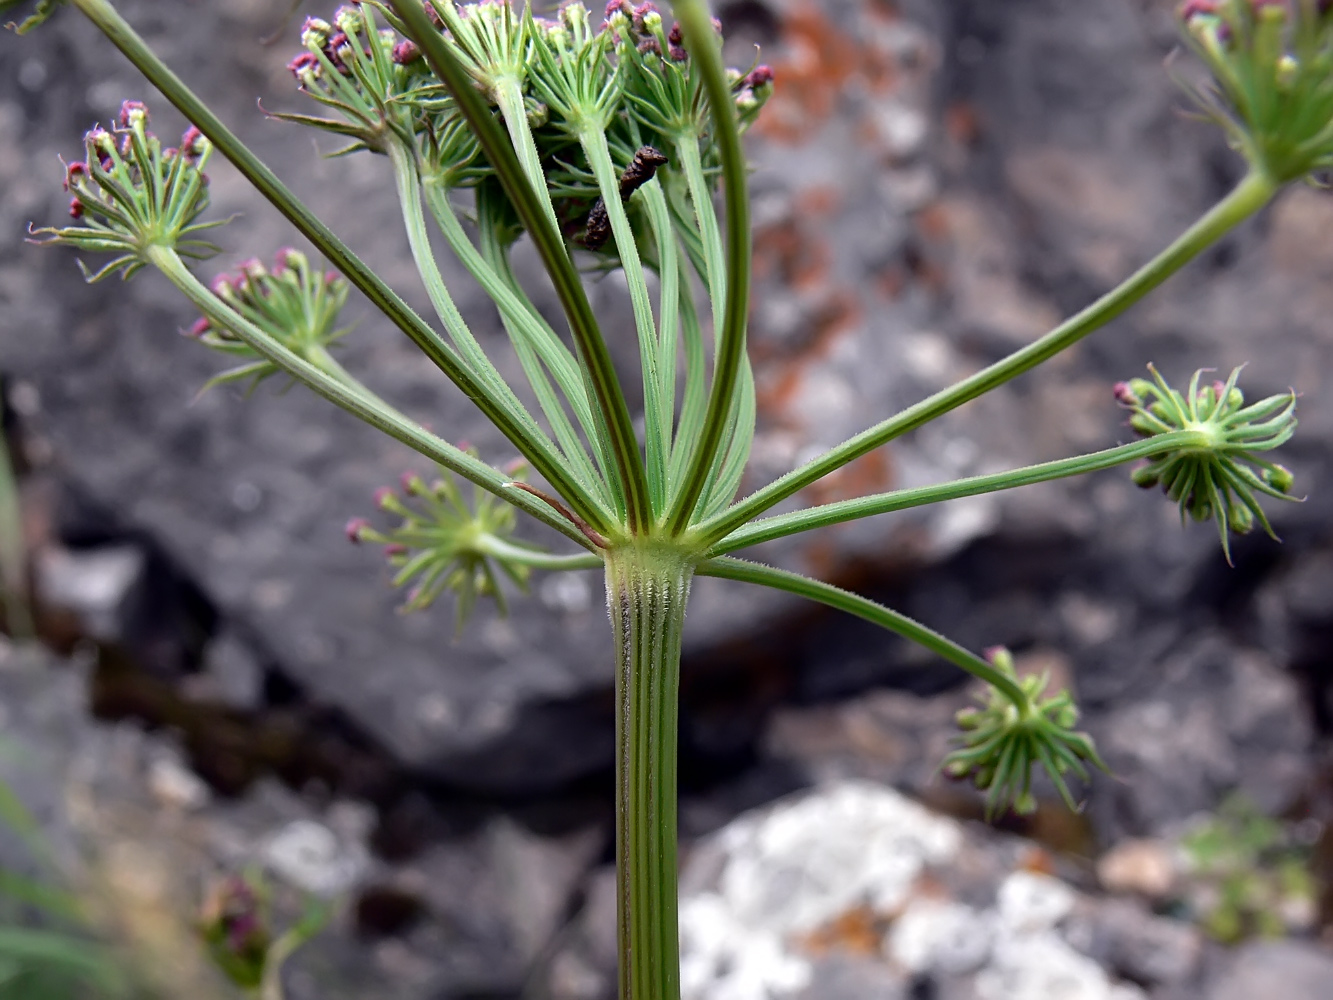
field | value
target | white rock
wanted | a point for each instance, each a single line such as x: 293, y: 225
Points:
x: 934, y: 935
x: 1029, y: 902
x: 310, y: 856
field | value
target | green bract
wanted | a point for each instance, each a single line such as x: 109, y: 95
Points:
x: 1272, y: 67
x: 1218, y: 476
x: 130, y: 194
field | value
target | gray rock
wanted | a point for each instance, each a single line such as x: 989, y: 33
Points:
x: 1297, y: 970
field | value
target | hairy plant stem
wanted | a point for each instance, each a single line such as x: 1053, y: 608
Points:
x: 647, y: 587
x: 1250, y: 195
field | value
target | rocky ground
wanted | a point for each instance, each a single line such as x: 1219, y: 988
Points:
x: 935, y: 184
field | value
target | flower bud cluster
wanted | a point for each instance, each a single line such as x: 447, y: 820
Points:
x: 1219, y: 477
x: 441, y: 543
x: 129, y: 194
x: 296, y: 304
x: 1003, y: 742
x: 1272, y: 89
x: 234, y: 923
x: 627, y: 75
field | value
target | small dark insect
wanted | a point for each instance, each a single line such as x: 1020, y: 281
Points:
x: 639, y: 172
x: 599, y: 227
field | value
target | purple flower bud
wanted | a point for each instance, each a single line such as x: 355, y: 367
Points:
x: 383, y: 497
x: 413, y: 484
x: 130, y: 110
x: 74, y: 171
x: 287, y: 257
x: 650, y: 44
x: 676, y: 36
x: 222, y: 286
x: 201, y: 326
x: 330, y: 277
x: 306, y: 62
x: 354, y: 528
x: 75, y: 208
x: 395, y: 549
x: 677, y: 53
x: 1191, y: 9
x: 433, y: 14
x: 192, y: 141
x: 1124, y: 395
x: 252, y: 268
x: 640, y: 12
x: 760, y: 76
x: 406, y: 52
x: 615, y: 7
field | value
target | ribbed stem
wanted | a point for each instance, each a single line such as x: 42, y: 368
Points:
x: 647, y: 588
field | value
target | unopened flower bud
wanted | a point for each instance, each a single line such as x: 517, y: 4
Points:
x: 1124, y: 395
x: 315, y: 32
x: 385, y: 499
x: 305, y: 67
x: 760, y: 76
x: 406, y: 52
x: 433, y: 14
x: 395, y: 549
x: 1191, y: 9
x: 1144, y: 477
x: 200, y: 327
x: 192, y: 142
x: 74, y: 171
x: 131, y: 112
x: 354, y: 528
x: 75, y: 208
x: 1240, y: 519
x: 1280, y: 478
x: 412, y: 483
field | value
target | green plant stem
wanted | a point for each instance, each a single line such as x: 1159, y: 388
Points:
x: 883, y: 503
x: 354, y: 398
x: 657, y: 419
x: 548, y: 465
x: 492, y: 545
x: 1250, y: 195
x: 704, y: 49
x: 13, y: 554
x: 647, y: 588
x: 728, y: 568
x: 550, y: 247
x: 533, y: 341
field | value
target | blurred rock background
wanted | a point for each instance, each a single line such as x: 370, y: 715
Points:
x: 936, y: 183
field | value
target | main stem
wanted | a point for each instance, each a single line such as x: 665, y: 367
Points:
x: 647, y: 587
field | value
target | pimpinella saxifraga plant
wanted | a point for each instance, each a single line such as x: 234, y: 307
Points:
x: 605, y: 141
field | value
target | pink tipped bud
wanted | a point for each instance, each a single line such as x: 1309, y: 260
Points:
x: 384, y: 497
x: 307, y: 63
x: 615, y: 7
x: 74, y: 171
x: 192, y: 142
x: 131, y: 111
x: 287, y: 257
x: 354, y: 528
x: 641, y: 12
x: 75, y: 208
x: 395, y: 549
x: 406, y: 52
x: 412, y: 484
x: 760, y: 76
x: 252, y: 268
x: 650, y: 44
x: 222, y: 286
x: 201, y: 326
x: 1191, y: 9
x: 676, y: 36
x: 330, y: 277
x: 1124, y: 395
